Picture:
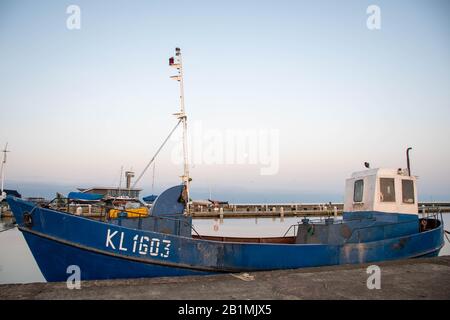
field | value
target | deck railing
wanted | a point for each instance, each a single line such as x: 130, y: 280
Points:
x: 104, y: 209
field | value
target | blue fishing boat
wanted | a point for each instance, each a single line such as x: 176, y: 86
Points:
x: 164, y: 244
x: 380, y: 222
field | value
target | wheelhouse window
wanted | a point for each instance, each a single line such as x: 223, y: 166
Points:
x: 408, y: 191
x: 387, y: 190
x: 358, y: 191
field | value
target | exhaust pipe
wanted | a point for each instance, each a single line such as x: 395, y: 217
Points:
x: 407, y: 161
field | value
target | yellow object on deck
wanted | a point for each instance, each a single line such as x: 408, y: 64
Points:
x: 130, y: 213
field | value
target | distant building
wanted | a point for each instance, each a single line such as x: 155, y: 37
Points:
x: 113, y: 192
x: 126, y: 192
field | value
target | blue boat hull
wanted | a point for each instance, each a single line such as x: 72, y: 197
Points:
x: 53, y: 259
x: 107, y: 251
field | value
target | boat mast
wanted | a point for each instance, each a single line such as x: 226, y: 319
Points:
x: 178, y: 64
x: 2, y: 172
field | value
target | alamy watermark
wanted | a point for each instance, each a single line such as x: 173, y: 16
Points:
x: 73, y: 21
x: 374, y: 19
x: 259, y: 147
x: 74, y: 279
x: 374, y: 280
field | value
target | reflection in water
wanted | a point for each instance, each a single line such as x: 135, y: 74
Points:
x: 6, y: 223
x: 17, y: 264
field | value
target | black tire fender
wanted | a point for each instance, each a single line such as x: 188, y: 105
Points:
x: 28, y: 219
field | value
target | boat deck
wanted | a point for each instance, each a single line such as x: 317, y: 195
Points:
x: 284, y: 240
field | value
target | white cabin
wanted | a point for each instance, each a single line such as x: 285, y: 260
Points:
x: 384, y: 190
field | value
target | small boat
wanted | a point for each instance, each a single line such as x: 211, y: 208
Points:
x: 380, y: 222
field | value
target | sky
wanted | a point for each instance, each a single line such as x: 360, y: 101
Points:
x: 285, y: 99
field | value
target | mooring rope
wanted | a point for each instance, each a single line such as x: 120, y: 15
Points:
x: 446, y: 236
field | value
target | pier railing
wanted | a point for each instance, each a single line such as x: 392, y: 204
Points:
x: 291, y: 209
x: 260, y: 210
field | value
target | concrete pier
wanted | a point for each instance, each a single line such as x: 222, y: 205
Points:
x: 426, y: 278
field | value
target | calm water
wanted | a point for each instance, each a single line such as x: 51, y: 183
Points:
x: 17, y: 264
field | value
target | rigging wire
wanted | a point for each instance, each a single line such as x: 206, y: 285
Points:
x: 157, y: 152
x: 153, y: 178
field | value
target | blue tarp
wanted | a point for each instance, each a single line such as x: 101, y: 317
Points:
x: 150, y: 198
x: 13, y: 193
x: 85, y: 196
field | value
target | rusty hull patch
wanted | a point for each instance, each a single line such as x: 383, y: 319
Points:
x: 400, y: 244
x: 346, y: 232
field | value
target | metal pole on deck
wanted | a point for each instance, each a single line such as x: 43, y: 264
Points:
x: 2, y: 171
x: 120, y: 180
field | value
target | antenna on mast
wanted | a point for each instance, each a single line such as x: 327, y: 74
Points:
x: 177, y: 63
x: 2, y: 172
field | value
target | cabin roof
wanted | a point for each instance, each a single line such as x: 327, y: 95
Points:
x: 374, y: 194
x: 387, y: 172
